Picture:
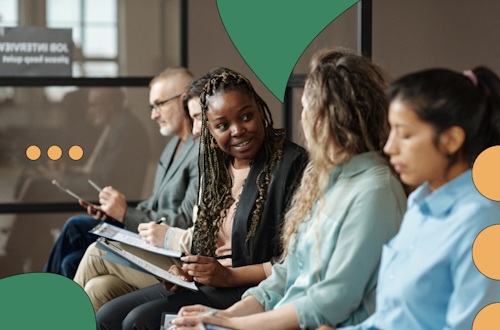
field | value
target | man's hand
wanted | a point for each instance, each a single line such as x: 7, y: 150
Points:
x: 208, y: 271
x: 113, y: 203
x: 181, y: 274
x: 94, y: 211
x: 153, y: 233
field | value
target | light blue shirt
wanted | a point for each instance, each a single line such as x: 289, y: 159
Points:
x: 330, y: 274
x: 427, y: 277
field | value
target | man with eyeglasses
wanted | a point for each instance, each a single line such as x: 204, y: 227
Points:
x: 175, y: 185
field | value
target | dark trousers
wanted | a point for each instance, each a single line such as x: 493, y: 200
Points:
x: 71, y: 245
x: 142, y: 309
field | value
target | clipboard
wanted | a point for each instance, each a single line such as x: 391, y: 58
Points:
x: 127, y: 259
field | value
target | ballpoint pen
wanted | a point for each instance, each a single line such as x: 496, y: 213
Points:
x: 92, y: 183
x: 162, y: 219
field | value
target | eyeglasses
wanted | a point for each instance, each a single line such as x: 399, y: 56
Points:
x: 156, y: 106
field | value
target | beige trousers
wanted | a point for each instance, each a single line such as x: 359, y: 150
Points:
x: 103, y: 280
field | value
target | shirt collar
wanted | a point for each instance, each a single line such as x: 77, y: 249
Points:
x: 439, y: 202
x: 357, y: 164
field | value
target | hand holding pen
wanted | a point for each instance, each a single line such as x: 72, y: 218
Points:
x: 113, y: 203
x: 93, y: 210
x: 154, y: 232
x: 96, y: 211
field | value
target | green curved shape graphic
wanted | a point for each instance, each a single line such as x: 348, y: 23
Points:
x: 271, y: 35
x: 44, y: 301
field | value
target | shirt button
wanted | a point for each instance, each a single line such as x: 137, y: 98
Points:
x: 391, y: 277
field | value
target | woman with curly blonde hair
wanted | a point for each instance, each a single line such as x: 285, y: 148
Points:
x: 348, y: 206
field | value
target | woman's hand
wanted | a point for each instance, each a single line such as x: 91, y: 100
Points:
x: 195, y: 310
x: 208, y: 271
x: 153, y: 233
x: 192, y: 322
x: 181, y: 274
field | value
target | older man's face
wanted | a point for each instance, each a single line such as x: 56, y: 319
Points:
x: 170, y: 116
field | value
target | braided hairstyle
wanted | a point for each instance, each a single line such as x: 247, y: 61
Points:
x: 196, y: 87
x: 216, y: 196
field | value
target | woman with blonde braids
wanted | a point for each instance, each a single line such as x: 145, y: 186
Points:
x: 249, y: 175
x: 349, y: 204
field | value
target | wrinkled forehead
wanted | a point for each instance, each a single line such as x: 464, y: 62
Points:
x: 168, y: 87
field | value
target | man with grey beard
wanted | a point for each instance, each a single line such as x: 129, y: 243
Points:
x: 175, y: 186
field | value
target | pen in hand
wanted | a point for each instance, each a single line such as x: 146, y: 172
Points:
x: 227, y: 256
x: 162, y: 219
x: 92, y: 183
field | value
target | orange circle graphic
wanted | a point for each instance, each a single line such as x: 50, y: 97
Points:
x: 486, y: 252
x: 75, y: 152
x: 486, y: 173
x: 33, y: 152
x: 487, y: 318
x: 54, y: 152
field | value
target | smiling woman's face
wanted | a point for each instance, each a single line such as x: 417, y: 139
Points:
x: 235, y: 121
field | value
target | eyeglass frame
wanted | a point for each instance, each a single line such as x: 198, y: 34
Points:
x: 156, y: 107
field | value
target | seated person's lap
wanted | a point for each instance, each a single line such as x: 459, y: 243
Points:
x: 145, y: 307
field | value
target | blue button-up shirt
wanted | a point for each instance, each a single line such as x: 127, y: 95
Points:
x: 330, y: 274
x: 427, y: 277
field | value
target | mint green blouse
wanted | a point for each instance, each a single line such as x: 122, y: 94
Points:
x: 330, y: 273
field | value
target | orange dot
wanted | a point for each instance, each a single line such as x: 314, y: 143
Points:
x: 75, y: 152
x: 487, y: 318
x: 486, y: 173
x: 54, y: 152
x: 33, y: 152
x: 486, y: 252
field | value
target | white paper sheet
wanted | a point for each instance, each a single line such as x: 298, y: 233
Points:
x: 125, y: 236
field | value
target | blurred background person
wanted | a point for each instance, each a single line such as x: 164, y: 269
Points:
x: 119, y: 159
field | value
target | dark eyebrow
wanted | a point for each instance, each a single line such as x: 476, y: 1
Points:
x: 240, y: 110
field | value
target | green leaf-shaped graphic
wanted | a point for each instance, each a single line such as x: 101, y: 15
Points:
x: 271, y: 35
x: 44, y: 301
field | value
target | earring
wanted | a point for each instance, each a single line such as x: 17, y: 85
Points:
x: 214, y: 143
x: 266, y: 124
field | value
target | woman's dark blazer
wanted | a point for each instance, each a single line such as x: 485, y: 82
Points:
x: 286, y: 175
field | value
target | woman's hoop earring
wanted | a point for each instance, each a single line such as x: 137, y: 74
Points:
x: 266, y: 124
x: 214, y: 143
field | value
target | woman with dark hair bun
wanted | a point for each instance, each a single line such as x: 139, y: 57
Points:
x: 440, y: 122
